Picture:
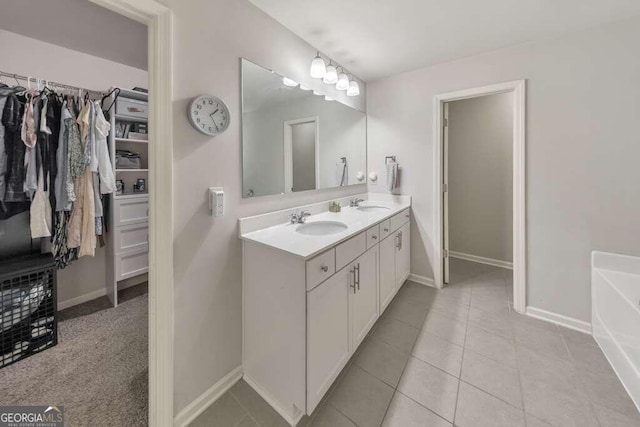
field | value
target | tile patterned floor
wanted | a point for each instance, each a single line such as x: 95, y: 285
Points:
x: 458, y: 356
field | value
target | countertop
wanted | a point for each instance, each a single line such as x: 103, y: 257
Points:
x: 285, y: 238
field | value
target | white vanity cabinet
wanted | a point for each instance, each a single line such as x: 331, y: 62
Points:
x: 303, y: 318
x: 395, y: 258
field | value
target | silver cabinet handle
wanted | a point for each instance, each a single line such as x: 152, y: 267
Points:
x: 353, y: 283
x: 358, y: 270
x: 386, y: 230
x: 324, y: 268
x: 374, y: 237
x: 398, y: 241
x: 400, y: 235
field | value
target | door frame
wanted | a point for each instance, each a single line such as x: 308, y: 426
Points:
x: 518, y: 88
x: 159, y: 21
x: 288, y: 150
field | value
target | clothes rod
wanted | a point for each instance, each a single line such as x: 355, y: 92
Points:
x: 28, y: 79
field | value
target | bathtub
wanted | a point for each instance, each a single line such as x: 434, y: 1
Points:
x: 615, y: 315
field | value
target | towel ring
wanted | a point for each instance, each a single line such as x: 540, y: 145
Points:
x: 386, y: 159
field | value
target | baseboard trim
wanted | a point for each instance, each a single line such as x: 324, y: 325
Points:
x: 82, y: 298
x: 254, y: 385
x: 423, y: 280
x: 481, y: 260
x: 559, y: 319
x: 202, y: 402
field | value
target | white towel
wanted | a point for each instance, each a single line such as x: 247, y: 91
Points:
x: 342, y: 174
x: 392, y: 175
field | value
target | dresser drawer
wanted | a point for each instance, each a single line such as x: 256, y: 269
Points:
x: 131, y: 237
x: 131, y: 211
x: 398, y: 220
x: 133, y: 263
x: 350, y: 250
x: 385, y: 228
x: 373, y: 236
x: 320, y: 268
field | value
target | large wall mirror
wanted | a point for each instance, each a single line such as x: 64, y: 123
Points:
x: 294, y: 140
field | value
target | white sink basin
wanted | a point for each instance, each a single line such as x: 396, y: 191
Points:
x: 321, y: 228
x: 372, y: 208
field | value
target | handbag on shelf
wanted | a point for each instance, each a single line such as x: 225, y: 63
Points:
x: 128, y: 160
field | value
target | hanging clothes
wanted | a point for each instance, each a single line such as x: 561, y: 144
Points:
x: 55, y: 164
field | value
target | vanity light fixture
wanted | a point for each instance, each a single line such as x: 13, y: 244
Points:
x: 343, y: 81
x: 317, y: 93
x: 288, y: 82
x: 318, y: 67
x: 328, y: 98
x: 331, y: 76
x: 354, y: 88
x: 304, y: 87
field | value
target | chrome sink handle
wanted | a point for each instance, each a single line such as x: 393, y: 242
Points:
x: 355, y: 202
x: 299, y: 217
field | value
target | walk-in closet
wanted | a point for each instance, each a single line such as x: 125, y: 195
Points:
x: 74, y: 181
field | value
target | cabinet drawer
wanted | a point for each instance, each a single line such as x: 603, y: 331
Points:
x: 320, y: 268
x: 130, y: 264
x: 385, y: 228
x: 131, y: 237
x: 373, y: 236
x: 350, y: 250
x: 398, y: 220
x: 131, y: 211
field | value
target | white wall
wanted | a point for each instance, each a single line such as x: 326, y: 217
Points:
x: 481, y: 176
x: 31, y: 57
x: 210, y: 37
x: 583, y: 104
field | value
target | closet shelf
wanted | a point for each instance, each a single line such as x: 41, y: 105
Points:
x: 131, y: 119
x: 135, y: 141
x: 131, y: 170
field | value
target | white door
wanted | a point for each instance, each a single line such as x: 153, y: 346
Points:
x: 327, y: 334
x: 403, y: 258
x: 363, y: 298
x: 387, y: 271
x: 445, y: 194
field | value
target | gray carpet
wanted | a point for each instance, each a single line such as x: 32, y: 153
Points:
x: 98, y: 370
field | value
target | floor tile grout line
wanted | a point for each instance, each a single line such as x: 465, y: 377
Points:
x: 464, y: 345
x: 423, y: 406
x: 243, y: 407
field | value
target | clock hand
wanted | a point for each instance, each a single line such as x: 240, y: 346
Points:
x: 217, y: 109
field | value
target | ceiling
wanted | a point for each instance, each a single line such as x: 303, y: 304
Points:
x: 78, y: 25
x: 379, y: 38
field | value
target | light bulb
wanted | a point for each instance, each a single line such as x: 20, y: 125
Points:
x: 304, y: 87
x: 331, y: 76
x: 317, y: 93
x: 288, y: 82
x: 318, y: 67
x: 343, y: 81
x: 354, y: 88
x: 328, y: 98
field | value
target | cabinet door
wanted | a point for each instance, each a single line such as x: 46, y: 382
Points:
x: 403, y: 255
x: 363, y: 299
x: 327, y: 334
x: 387, y: 270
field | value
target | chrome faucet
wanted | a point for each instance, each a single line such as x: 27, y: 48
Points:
x: 355, y: 202
x: 299, y: 217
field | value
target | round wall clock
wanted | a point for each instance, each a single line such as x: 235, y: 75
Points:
x: 209, y: 115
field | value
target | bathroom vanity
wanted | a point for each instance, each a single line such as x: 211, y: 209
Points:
x: 312, y: 292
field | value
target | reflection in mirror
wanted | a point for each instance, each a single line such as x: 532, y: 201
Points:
x: 293, y: 140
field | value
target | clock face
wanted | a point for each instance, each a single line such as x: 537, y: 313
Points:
x: 209, y: 115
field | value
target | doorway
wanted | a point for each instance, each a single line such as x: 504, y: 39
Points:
x: 301, y: 154
x: 442, y: 236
